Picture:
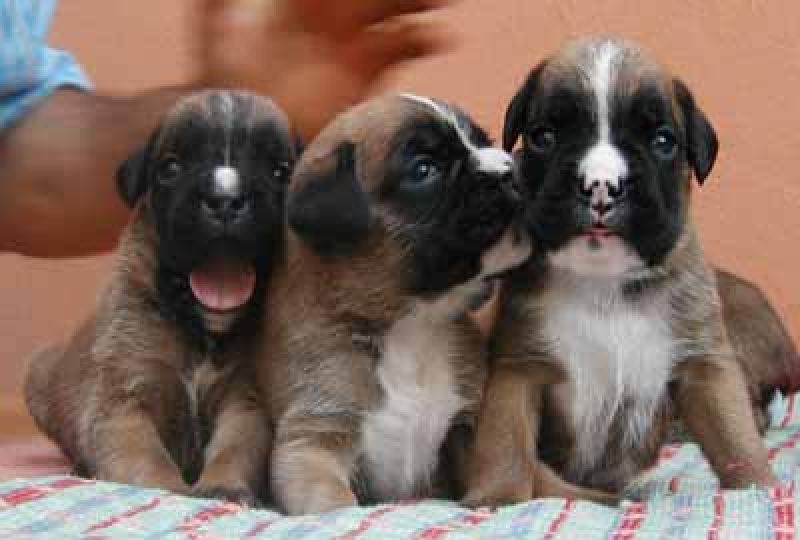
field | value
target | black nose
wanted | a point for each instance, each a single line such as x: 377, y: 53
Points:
x: 601, y: 195
x: 614, y: 190
x: 226, y: 208
x: 602, y: 208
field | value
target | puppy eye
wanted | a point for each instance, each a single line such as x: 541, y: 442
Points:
x: 169, y: 169
x: 542, y: 139
x: 282, y: 172
x: 665, y: 144
x: 424, y: 171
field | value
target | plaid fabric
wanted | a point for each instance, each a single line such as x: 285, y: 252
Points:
x: 677, y: 499
x: 29, y: 69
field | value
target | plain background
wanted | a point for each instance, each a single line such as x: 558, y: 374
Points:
x: 741, y: 58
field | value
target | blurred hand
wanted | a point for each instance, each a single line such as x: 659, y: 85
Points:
x: 314, y: 57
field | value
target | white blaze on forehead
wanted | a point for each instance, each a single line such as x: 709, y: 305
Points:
x: 602, y: 76
x: 603, y: 162
x: 227, y: 104
x: 489, y: 159
x: 226, y: 181
x: 428, y: 102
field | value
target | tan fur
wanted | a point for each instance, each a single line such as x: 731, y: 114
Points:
x: 126, y: 396
x: 333, y: 324
x: 529, y: 382
x: 710, y: 397
x: 115, y: 399
x: 320, y: 371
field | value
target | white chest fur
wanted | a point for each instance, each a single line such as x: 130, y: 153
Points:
x: 198, y: 383
x: 403, y: 434
x: 616, y: 353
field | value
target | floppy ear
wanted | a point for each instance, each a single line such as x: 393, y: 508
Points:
x: 133, y: 175
x: 331, y: 211
x: 517, y: 112
x: 701, y: 139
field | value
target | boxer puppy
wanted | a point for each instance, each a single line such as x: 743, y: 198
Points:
x: 616, y: 325
x: 398, y: 213
x: 156, y: 388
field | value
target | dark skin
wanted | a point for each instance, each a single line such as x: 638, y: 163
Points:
x: 57, y: 197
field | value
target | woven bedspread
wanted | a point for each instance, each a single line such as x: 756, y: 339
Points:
x: 677, y: 499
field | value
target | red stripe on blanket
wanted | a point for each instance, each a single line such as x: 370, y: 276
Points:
x: 259, y: 527
x: 207, y: 515
x: 674, y: 482
x: 366, y: 523
x: 437, y: 532
x: 631, y: 521
x: 560, y: 519
x: 783, y: 512
x: 32, y: 493
x: 789, y: 411
x: 113, y: 520
x: 788, y: 444
x: 716, y: 523
x: 69, y: 482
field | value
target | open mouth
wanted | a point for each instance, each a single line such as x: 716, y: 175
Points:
x: 223, y: 284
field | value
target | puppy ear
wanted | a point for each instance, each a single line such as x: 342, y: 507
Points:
x: 331, y: 211
x: 132, y: 175
x: 701, y: 139
x: 518, y: 109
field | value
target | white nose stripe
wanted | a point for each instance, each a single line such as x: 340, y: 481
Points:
x: 603, y: 163
x: 493, y: 160
x: 226, y: 181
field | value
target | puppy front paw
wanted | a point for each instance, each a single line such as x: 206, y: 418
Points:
x: 243, y: 496
x: 319, y: 500
x: 597, y: 496
x: 549, y: 484
x: 743, y: 477
x: 495, y: 497
x: 146, y: 476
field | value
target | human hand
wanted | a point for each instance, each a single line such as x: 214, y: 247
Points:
x: 314, y: 57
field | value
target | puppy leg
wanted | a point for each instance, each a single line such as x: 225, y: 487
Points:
x: 503, y: 467
x: 713, y: 401
x: 54, y: 396
x: 312, y: 466
x: 130, y: 450
x: 236, y: 456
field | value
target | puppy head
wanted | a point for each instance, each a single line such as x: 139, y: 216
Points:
x: 212, y: 182
x: 609, y: 143
x: 411, y: 176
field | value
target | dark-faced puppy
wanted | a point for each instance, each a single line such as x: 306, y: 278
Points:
x: 155, y: 389
x: 616, y: 325
x: 398, y: 213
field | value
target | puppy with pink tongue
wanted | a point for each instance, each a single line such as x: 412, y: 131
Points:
x: 155, y: 389
x: 223, y: 285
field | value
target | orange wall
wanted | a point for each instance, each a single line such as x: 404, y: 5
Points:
x: 741, y: 57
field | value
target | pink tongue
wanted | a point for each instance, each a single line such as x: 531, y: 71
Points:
x: 223, y: 285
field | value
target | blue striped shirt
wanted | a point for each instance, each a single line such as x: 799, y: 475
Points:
x: 30, y: 70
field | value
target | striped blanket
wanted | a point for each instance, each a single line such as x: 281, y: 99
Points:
x: 679, y: 498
